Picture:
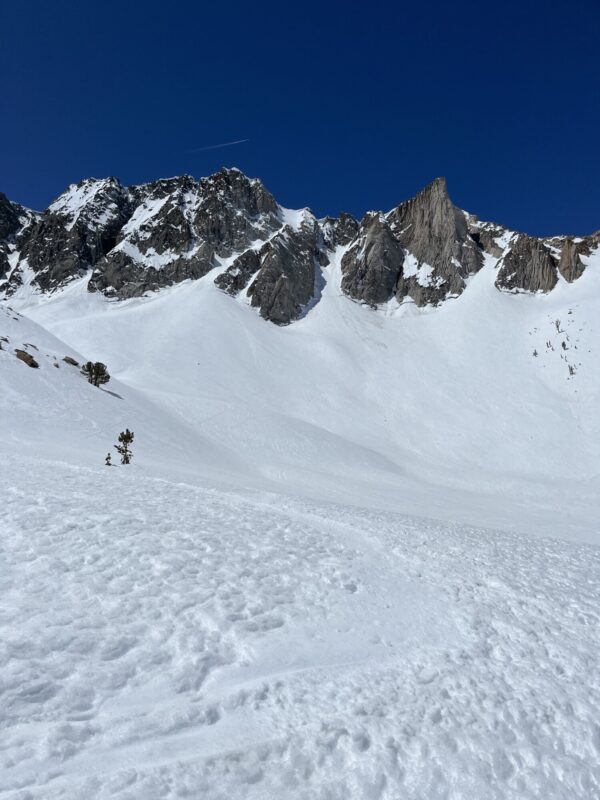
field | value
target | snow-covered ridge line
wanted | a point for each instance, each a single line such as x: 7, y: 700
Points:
x: 134, y: 240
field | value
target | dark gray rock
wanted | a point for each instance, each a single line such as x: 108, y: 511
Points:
x: 339, y: 230
x: 140, y: 239
x: 178, y: 228
x: 238, y: 275
x: 428, y: 286
x: 436, y: 233
x: 57, y: 254
x: 169, y: 228
x: 9, y: 217
x: 285, y: 283
x: 372, y: 265
x: 13, y: 219
x: 233, y: 211
x: 526, y: 266
x: 158, y: 246
x: 76, y: 231
x: 570, y: 264
x: 486, y: 236
x: 122, y: 277
x: 26, y: 358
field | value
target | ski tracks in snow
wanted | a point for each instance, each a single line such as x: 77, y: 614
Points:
x: 163, y: 640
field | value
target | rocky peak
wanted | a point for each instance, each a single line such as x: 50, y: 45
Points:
x: 233, y: 211
x: 280, y: 273
x: 75, y: 231
x: 435, y: 232
x: 9, y: 217
x: 230, y: 186
x: 10, y: 224
x: 372, y: 264
x: 338, y: 230
x: 94, y: 203
x: 131, y: 240
x: 285, y: 283
x: 527, y: 265
x: 163, y: 187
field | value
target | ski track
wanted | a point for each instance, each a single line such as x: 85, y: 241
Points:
x: 161, y: 640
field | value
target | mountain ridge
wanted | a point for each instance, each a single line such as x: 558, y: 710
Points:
x: 143, y: 238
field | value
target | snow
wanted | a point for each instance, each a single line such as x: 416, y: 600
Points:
x: 295, y: 219
x: 354, y: 557
x: 410, y: 266
x: 79, y: 197
x: 423, y: 272
x: 503, y: 241
x: 144, y: 214
x: 150, y: 258
x: 165, y: 640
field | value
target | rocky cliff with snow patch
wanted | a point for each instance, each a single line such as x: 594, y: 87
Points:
x: 128, y: 241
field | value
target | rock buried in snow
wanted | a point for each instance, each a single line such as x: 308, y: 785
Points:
x: 71, y: 361
x: 26, y: 358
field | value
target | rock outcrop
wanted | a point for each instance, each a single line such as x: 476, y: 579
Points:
x: 9, y: 217
x: 570, y: 264
x: 122, y: 276
x: 435, y: 232
x: 234, y: 211
x: 285, y: 282
x: 236, y: 277
x: 422, y: 249
x: 75, y: 232
x: 26, y: 358
x: 283, y: 268
x: 527, y: 266
x: 372, y: 265
x: 181, y: 228
x: 338, y: 230
x: 128, y: 241
x: 13, y: 220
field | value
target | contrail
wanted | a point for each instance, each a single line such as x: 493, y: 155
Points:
x: 216, y: 146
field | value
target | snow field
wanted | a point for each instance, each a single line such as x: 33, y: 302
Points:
x: 356, y: 557
x: 164, y: 640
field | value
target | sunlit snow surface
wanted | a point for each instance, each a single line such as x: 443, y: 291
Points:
x: 356, y: 557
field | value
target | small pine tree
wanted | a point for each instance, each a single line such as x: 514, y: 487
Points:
x: 95, y: 372
x: 535, y: 353
x: 123, y: 448
x: 107, y: 460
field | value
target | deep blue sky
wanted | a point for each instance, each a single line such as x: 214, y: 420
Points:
x: 348, y: 106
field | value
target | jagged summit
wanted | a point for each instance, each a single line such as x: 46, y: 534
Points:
x: 127, y: 241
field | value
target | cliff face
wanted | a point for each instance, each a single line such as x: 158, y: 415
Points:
x: 128, y: 241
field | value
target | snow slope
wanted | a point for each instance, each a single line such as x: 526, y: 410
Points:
x: 164, y: 640
x: 436, y: 411
x: 355, y: 557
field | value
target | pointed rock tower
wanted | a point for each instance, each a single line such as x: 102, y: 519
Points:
x: 435, y: 232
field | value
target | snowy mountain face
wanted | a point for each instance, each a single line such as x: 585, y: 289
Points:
x: 356, y: 552
x: 129, y: 241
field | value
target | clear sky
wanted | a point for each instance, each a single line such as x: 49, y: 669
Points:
x: 346, y: 105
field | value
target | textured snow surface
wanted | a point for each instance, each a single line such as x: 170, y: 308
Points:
x: 163, y: 640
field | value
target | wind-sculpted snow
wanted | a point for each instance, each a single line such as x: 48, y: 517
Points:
x: 164, y: 640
